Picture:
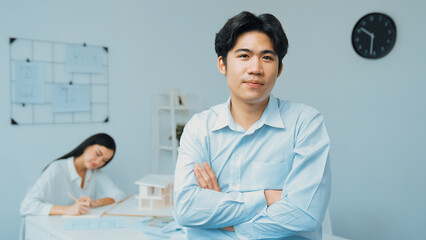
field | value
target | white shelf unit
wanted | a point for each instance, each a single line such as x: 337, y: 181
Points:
x: 173, y: 109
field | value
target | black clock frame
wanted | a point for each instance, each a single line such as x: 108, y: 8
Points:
x: 383, y: 31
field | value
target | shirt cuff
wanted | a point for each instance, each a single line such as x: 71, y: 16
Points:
x: 244, y: 231
x: 46, y: 209
x: 255, y: 201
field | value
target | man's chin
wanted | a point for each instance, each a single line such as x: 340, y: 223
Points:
x: 256, y: 99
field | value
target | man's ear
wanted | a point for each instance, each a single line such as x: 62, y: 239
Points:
x: 221, y: 65
x: 280, y: 70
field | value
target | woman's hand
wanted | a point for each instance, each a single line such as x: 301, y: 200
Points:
x: 92, y: 203
x: 78, y: 208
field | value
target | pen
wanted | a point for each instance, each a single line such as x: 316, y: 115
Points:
x: 71, y: 196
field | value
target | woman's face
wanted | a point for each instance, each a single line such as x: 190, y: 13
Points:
x: 95, y: 156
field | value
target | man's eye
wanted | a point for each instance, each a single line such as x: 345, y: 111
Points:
x: 243, y: 56
x: 268, y: 58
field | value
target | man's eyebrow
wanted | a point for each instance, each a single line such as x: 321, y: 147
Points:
x: 270, y: 52
x: 250, y: 51
x: 243, y: 50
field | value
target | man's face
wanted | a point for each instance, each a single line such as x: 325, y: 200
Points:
x: 251, y: 68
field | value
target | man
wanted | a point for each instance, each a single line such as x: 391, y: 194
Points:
x: 254, y: 167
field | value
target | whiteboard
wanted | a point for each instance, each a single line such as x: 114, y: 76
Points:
x: 56, y: 82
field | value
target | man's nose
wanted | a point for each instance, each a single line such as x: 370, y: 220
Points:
x: 255, y: 66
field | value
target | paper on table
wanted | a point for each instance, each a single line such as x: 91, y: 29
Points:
x: 98, y: 223
x: 130, y: 208
x: 152, y: 226
x: 93, y: 213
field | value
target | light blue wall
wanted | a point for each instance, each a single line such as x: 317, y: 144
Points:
x: 374, y: 110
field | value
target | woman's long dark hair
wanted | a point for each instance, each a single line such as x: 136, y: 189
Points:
x: 102, y: 139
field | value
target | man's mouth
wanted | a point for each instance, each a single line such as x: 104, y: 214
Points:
x: 253, y: 83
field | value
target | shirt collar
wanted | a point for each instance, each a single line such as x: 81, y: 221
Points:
x: 73, y: 172
x: 271, y: 116
x: 272, y: 113
x: 71, y: 168
x: 225, y: 118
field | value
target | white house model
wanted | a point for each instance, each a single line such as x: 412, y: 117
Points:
x: 155, y: 191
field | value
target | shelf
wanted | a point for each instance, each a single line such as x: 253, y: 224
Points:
x: 166, y: 148
x: 175, y: 108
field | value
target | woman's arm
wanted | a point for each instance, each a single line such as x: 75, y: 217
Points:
x: 106, y: 191
x: 78, y: 208
x: 98, y: 202
x: 102, y: 202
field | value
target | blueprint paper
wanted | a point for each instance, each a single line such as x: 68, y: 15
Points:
x: 94, y: 223
x: 29, y: 82
x: 70, y: 98
x: 81, y: 59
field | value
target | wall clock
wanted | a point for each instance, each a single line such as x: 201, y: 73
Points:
x: 374, y: 35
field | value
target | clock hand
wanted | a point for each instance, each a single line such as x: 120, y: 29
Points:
x: 371, y: 43
x: 367, y: 32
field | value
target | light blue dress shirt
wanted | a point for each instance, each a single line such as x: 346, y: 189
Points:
x: 286, y: 149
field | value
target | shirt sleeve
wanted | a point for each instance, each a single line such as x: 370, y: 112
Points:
x: 197, y: 207
x: 306, y: 190
x: 35, y: 201
x: 107, y: 188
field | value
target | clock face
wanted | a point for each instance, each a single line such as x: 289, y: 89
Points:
x: 374, y: 35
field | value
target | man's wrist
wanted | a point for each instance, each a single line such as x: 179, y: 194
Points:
x: 272, y: 196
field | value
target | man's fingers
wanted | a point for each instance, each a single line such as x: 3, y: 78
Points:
x: 209, y: 170
x: 206, y: 178
x: 212, y: 176
x: 200, y: 184
x: 200, y: 180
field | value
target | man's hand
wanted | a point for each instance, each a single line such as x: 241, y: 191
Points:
x: 272, y: 196
x: 205, y: 177
x: 231, y: 228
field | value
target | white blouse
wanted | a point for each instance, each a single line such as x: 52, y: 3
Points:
x: 62, y: 177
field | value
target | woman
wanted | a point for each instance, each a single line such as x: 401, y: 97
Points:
x: 78, y: 174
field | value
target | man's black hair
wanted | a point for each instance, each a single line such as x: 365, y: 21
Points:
x: 248, y: 22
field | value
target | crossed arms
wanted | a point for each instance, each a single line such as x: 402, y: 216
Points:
x: 298, y: 207
x: 206, y: 179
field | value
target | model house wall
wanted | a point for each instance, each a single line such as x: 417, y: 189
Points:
x: 155, y: 191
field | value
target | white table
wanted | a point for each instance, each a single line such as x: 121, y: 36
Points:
x: 52, y: 228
